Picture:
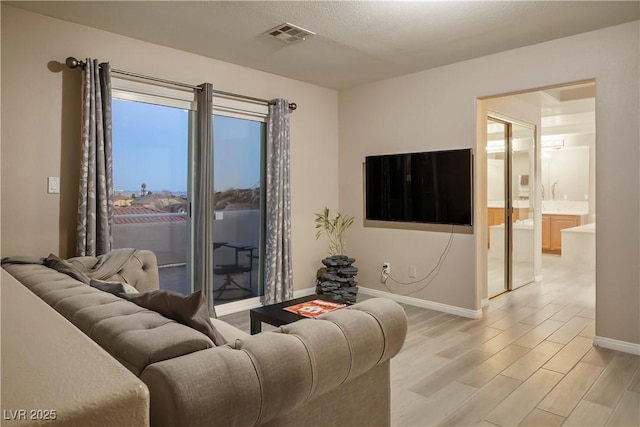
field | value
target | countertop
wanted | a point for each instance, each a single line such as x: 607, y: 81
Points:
x: 587, y: 228
x: 560, y: 212
x: 549, y: 207
x: 516, y: 226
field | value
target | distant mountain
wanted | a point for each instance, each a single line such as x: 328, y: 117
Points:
x: 232, y: 199
x: 161, y: 202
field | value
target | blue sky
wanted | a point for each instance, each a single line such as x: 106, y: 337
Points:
x: 150, y: 145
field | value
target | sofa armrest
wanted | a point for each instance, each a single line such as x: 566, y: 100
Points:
x: 141, y: 271
x: 271, y: 374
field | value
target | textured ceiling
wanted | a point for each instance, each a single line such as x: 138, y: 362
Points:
x: 355, y: 42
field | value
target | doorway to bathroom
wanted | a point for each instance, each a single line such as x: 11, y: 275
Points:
x: 550, y: 232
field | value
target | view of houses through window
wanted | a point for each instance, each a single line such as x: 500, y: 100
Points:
x: 151, y: 145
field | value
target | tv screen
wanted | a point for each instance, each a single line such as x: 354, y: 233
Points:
x: 431, y: 187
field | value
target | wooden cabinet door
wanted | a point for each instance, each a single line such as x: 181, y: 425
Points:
x: 558, y: 223
x: 546, y: 233
x: 496, y: 216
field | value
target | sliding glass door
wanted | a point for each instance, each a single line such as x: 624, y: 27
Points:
x: 150, y: 180
x: 496, y: 202
x: 238, y: 180
x: 510, y: 202
x: 153, y: 173
x: 522, y: 204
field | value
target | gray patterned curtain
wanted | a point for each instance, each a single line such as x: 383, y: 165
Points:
x: 95, y: 200
x: 202, y: 213
x: 278, y: 272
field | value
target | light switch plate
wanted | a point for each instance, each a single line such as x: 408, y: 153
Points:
x: 53, y: 185
x: 413, y: 271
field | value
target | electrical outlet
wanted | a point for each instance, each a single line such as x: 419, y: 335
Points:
x: 386, y: 268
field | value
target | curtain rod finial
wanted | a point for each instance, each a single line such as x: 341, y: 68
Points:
x: 72, y: 62
x: 293, y: 106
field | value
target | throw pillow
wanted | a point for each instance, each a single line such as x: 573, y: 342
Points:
x: 128, y: 289
x: 110, y: 287
x: 113, y: 287
x: 191, y: 310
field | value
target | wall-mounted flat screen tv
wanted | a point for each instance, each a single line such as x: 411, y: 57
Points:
x: 434, y: 187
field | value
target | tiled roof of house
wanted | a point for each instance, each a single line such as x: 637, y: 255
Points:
x: 140, y: 215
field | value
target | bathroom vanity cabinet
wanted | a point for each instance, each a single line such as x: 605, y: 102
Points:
x: 551, y: 227
x: 495, y: 216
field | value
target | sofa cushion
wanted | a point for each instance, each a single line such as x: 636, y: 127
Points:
x: 143, y: 338
x: 191, y: 310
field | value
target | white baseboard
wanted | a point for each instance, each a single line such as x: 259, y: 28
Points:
x: 236, y: 306
x: 304, y: 292
x: 249, y: 303
x: 623, y: 346
x: 452, y: 309
x: 484, y: 303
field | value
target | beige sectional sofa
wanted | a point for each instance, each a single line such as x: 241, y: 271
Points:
x: 331, y: 371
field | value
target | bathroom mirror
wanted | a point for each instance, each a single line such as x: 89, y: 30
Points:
x: 565, y: 173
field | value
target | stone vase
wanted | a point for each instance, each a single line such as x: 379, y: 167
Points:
x: 337, y: 279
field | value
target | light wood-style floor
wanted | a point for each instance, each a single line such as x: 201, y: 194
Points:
x: 529, y: 361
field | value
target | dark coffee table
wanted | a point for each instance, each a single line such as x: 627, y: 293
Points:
x: 276, y: 315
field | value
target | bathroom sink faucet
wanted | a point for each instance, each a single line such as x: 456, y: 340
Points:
x: 553, y: 190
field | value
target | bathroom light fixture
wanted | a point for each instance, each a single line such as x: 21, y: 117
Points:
x: 290, y: 33
x: 495, y: 146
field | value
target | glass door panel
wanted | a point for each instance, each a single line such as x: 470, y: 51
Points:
x: 238, y: 205
x: 150, y: 181
x: 522, y: 184
x: 496, y: 184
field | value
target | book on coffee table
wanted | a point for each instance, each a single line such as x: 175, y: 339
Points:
x: 314, y: 308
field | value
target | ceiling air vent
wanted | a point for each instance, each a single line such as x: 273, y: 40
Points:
x: 290, y: 33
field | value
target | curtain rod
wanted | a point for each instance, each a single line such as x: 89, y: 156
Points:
x: 72, y: 62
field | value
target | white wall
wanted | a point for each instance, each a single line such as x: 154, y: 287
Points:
x: 41, y: 117
x: 436, y: 109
